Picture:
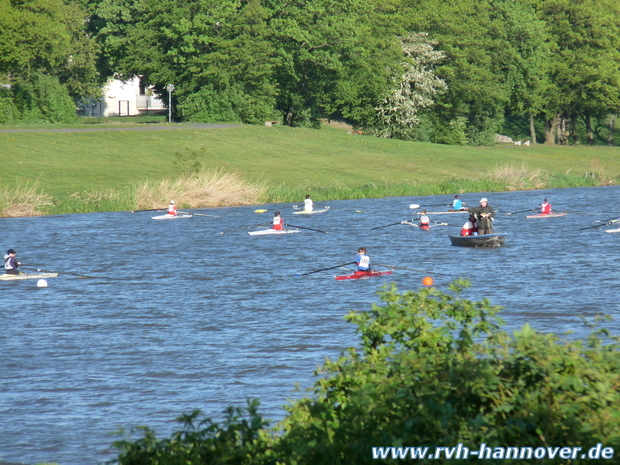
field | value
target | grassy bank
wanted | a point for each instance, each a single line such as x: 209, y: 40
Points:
x: 100, y: 171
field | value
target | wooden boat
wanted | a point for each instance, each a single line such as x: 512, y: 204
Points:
x: 15, y: 277
x: 485, y: 240
x: 548, y: 215
x: 363, y: 275
x: 265, y: 232
x: 172, y: 217
x: 304, y: 212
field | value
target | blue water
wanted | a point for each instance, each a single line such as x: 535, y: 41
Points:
x: 180, y: 317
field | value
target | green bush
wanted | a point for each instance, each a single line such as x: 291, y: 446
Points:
x: 44, y: 100
x: 432, y: 370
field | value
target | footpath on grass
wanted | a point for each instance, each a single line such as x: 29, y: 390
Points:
x: 143, y: 127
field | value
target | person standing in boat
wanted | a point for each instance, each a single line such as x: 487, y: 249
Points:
x: 484, y: 215
x: 278, y: 222
x: 545, y: 208
x: 425, y: 221
x: 308, y: 204
x: 469, y: 228
x: 362, y: 260
x: 11, y: 264
x: 172, y: 208
x: 457, y: 204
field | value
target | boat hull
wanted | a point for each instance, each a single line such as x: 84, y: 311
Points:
x: 17, y: 277
x: 171, y: 217
x: 549, y: 215
x: 485, y: 240
x: 363, y: 275
x: 613, y: 230
x: 449, y: 212
x: 304, y: 212
x: 267, y: 232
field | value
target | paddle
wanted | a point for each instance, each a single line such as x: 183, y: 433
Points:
x: 411, y: 269
x: 414, y: 205
x: 522, y: 211
x: 150, y: 210
x: 325, y: 269
x: 386, y: 225
x: 606, y: 222
x: 198, y: 214
x: 59, y: 272
x: 246, y: 227
x: 310, y: 229
x: 260, y: 211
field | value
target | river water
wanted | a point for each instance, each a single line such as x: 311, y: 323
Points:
x: 179, y: 317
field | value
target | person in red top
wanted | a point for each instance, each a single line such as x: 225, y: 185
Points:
x: 278, y: 222
x: 172, y: 208
x: 545, y: 208
x: 470, y: 228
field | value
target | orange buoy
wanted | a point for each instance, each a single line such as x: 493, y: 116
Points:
x: 427, y: 281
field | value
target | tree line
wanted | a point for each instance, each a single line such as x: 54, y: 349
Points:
x: 443, y: 71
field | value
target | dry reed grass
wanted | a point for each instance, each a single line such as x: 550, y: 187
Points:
x: 24, y: 200
x: 204, y: 188
x: 514, y: 177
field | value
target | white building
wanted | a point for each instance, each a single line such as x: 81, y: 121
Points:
x: 120, y: 98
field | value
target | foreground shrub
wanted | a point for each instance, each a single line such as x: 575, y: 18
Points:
x: 432, y: 370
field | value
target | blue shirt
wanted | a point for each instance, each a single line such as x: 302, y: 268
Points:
x: 363, y: 262
x: 457, y: 204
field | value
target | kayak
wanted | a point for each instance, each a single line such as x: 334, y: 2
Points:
x: 264, y: 232
x: 485, y: 240
x: 612, y: 230
x: 172, y: 217
x: 304, y: 212
x: 15, y: 277
x: 363, y: 275
x: 548, y: 215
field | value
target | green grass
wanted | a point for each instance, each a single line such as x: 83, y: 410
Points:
x: 327, y: 163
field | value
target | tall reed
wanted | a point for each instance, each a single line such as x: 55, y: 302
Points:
x: 25, y: 199
x: 204, y: 188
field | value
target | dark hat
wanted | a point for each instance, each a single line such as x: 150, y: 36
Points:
x: 10, y: 251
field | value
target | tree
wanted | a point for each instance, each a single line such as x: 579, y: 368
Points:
x: 415, y: 89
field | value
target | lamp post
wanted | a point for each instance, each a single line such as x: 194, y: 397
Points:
x: 170, y: 88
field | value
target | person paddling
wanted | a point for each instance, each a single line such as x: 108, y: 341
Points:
x: 425, y: 221
x: 278, y: 222
x: 457, y: 204
x: 172, y: 208
x: 545, y: 208
x: 308, y: 204
x: 484, y: 214
x: 362, y: 260
x: 11, y: 264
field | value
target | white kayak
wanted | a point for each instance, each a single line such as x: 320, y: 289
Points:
x: 304, y: 212
x: 171, y: 217
x: 612, y: 230
x: 15, y: 277
x: 264, y: 232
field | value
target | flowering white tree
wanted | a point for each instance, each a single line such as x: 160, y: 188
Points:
x: 414, y: 89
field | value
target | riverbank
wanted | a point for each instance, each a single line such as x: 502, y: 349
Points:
x: 48, y: 172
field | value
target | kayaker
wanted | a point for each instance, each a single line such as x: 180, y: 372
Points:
x: 457, y: 204
x: 545, y: 208
x: 425, y: 221
x: 469, y: 228
x: 308, y: 204
x: 362, y: 260
x: 11, y: 264
x: 172, y: 208
x: 484, y: 214
x: 278, y: 222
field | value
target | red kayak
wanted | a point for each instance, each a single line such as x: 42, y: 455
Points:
x: 363, y: 275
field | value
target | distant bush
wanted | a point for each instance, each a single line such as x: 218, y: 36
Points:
x: 44, y: 100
